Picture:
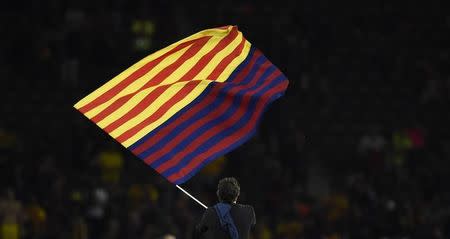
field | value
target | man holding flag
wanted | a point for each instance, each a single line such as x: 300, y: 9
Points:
x: 186, y: 105
x: 226, y: 219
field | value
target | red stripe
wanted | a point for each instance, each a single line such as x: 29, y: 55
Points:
x: 133, y: 77
x: 230, y: 139
x: 154, y: 81
x: 163, y: 74
x: 121, y: 101
x: 186, y: 77
x: 111, y: 108
x: 141, y: 106
x: 200, y: 65
x: 226, y: 61
x: 166, y: 130
x: 160, y: 112
x: 213, y: 131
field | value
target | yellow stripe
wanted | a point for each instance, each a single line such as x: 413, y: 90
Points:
x: 190, y: 63
x: 206, y: 71
x: 174, y: 77
x: 190, y: 97
x: 234, y: 63
x: 125, y: 108
x: 154, y: 106
x: 110, y: 84
x: 174, y: 109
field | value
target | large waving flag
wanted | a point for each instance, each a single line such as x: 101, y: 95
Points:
x: 189, y: 103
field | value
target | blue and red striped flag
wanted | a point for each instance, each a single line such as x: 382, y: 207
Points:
x: 185, y: 105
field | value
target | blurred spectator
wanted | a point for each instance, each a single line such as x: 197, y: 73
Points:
x: 37, y: 216
x: 372, y: 142
x: 143, y: 30
x: 401, y: 142
x: 79, y: 228
x: 263, y: 231
x: 416, y: 137
x: 110, y: 162
x: 168, y: 236
x: 12, y: 216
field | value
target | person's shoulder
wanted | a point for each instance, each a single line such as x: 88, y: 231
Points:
x: 245, y: 206
x: 247, y: 211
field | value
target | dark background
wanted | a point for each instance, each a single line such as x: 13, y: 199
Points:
x: 358, y: 148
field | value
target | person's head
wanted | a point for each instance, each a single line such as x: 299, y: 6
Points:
x: 228, y: 190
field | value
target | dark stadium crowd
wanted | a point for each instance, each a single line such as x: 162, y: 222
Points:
x: 359, y: 146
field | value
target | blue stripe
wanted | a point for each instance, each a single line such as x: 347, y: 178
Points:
x: 223, y: 96
x: 230, y: 147
x: 199, y: 99
x: 199, y: 115
x: 226, y: 132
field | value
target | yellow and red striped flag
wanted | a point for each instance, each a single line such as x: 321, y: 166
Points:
x: 183, y: 106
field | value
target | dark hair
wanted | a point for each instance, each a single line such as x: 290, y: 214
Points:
x: 228, y: 190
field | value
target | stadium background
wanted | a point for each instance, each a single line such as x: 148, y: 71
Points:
x: 358, y: 148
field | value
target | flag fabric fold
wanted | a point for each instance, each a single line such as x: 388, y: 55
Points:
x: 187, y: 104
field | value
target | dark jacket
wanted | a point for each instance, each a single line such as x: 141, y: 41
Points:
x: 209, y: 226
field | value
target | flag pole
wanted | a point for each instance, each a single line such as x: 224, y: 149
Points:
x: 195, y: 199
